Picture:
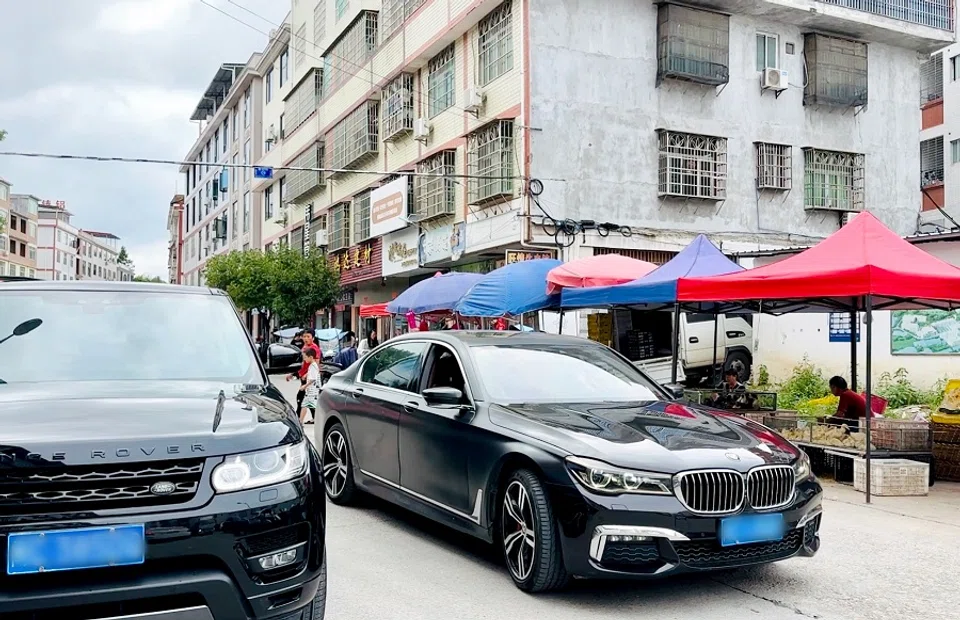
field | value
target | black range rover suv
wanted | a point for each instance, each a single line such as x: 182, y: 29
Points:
x: 148, y: 468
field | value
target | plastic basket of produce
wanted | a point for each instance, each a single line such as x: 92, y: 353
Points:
x: 900, y: 435
x: 892, y: 477
x: 827, y: 435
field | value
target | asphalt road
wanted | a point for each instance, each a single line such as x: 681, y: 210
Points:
x: 897, y: 558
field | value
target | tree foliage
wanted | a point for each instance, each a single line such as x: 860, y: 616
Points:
x: 284, y: 282
x: 3, y: 135
x: 123, y: 258
x: 144, y: 278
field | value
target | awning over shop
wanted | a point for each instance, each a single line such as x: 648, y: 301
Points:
x: 700, y: 258
x: 510, y: 290
x: 600, y: 270
x: 372, y: 311
x: 864, y: 258
x: 441, y: 292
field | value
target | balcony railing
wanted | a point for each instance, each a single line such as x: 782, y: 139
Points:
x: 934, y: 13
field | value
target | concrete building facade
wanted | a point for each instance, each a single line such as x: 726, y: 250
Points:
x: 19, y: 232
x: 97, y: 254
x: 58, y: 241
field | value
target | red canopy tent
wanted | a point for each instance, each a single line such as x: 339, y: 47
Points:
x: 372, y: 311
x: 862, y: 267
x: 599, y: 270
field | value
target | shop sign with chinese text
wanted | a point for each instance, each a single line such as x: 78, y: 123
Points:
x: 519, y: 256
x: 400, y: 251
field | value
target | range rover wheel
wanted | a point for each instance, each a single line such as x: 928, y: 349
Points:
x: 318, y: 607
x: 337, y: 470
x: 529, y: 535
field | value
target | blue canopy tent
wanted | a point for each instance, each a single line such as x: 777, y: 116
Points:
x: 441, y: 292
x: 658, y: 289
x: 511, y: 290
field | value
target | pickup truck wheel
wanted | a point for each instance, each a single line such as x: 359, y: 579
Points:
x: 741, y: 362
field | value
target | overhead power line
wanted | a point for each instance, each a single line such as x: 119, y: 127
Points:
x: 177, y: 162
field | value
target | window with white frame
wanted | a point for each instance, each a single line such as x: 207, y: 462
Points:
x: 491, y: 161
x: 246, y: 161
x: 495, y: 43
x: 342, y: 6
x: 355, y: 139
x: 268, y: 86
x: 299, y: 46
x: 303, y: 182
x: 393, y: 13
x: 246, y: 108
x: 692, y: 165
x: 436, y: 195
x: 955, y: 151
x: 441, y: 81
x: 236, y: 126
x: 319, y: 23
x: 832, y: 180
x: 361, y: 217
x: 768, y: 51
x: 235, y: 172
x: 225, y: 132
x: 234, y: 220
x: 268, y: 203
x: 774, y: 166
x: 303, y: 101
x: 338, y: 236
x: 285, y: 65
x: 398, y: 107
x: 246, y: 212
x: 351, y: 52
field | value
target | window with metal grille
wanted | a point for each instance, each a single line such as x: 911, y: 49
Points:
x: 931, y: 161
x: 692, y: 165
x: 931, y: 79
x: 302, y: 102
x: 342, y: 6
x: 836, y: 71
x: 774, y: 165
x: 361, y: 217
x: 934, y: 13
x: 490, y: 160
x: 832, y: 180
x: 300, y: 46
x: 398, y: 107
x: 352, y: 50
x: 303, y: 182
x: 338, y: 235
x: 393, y: 13
x: 441, y: 81
x: 411, y: 204
x: 692, y: 45
x: 319, y: 23
x: 495, y: 43
x: 355, y: 139
x: 436, y: 196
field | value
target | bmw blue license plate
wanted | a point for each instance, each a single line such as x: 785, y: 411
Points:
x: 747, y: 529
x: 60, y: 550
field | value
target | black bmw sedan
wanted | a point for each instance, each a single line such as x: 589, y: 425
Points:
x: 561, y: 452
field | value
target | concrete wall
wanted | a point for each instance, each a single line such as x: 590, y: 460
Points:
x: 596, y: 106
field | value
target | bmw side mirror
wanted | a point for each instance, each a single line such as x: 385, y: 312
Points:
x: 443, y: 397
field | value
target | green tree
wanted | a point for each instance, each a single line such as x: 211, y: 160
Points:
x: 301, y: 284
x: 245, y: 276
x: 144, y: 278
x: 123, y: 258
x: 3, y: 135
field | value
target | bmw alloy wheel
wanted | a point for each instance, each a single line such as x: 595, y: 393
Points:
x: 519, y: 537
x: 335, y: 463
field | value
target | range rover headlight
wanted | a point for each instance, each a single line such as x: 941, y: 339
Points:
x: 259, y: 469
x: 600, y: 477
x: 801, y: 468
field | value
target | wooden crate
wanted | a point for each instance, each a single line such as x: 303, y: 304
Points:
x: 892, y: 477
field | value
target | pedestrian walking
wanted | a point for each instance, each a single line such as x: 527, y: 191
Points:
x: 311, y: 386
x: 309, y: 337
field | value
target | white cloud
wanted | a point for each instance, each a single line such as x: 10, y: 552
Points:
x: 135, y: 17
x: 150, y: 259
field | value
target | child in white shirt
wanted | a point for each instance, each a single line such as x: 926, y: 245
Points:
x: 311, y: 387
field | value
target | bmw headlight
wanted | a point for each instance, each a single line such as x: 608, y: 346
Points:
x: 260, y: 469
x: 600, y: 477
x: 801, y: 468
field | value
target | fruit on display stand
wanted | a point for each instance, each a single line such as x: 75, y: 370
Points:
x: 827, y: 435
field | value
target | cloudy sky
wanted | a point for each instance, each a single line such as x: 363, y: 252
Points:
x: 115, y: 78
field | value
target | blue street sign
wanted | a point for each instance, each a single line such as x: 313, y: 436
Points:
x: 262, y: 172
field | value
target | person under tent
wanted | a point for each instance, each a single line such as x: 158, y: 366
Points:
x: 851, y: 407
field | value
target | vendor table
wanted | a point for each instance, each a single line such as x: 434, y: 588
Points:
x: 823, y: 458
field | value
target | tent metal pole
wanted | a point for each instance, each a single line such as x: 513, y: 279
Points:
x: 675, y: 353
x: 716, y: 331
x: 868, y: 304
x: 854, y: 330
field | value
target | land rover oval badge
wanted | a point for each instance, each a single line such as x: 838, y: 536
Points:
x: 163, y: 488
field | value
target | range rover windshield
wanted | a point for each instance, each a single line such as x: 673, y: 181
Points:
x: 122, y: 336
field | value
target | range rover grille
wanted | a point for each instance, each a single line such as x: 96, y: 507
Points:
x: 29, y: 490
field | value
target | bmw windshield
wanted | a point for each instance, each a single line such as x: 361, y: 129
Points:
x: 122, y: 336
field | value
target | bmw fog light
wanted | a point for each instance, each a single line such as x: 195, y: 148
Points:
x: 277, y: 560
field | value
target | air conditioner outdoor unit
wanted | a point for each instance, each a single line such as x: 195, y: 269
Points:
x: 472, y: 100
x: 321, y: 239
x: 775, y: 79
x: 421, y: 129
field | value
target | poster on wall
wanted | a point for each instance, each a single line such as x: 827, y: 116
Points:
x: 925, y: 332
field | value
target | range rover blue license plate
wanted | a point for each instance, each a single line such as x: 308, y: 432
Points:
x: 60, y: 550
x: 747, y: 529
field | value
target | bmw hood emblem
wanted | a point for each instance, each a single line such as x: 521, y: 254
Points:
x: 163, y: 488
x: 732, y: 456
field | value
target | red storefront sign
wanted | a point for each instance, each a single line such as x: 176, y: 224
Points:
x: 359, y: 263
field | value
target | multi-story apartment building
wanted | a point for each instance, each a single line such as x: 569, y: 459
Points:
x: 221, y: 211
x: 940, y: 141
x: 57, y: 243
x: 642, y: 124
x: 175, y: 245
x: 97, y: 254
x: 18, y: 232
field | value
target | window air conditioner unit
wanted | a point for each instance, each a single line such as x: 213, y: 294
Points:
x: 321, y: 239
x: 472, y: 100
x: 421, y: 129
x: 774, y: 79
